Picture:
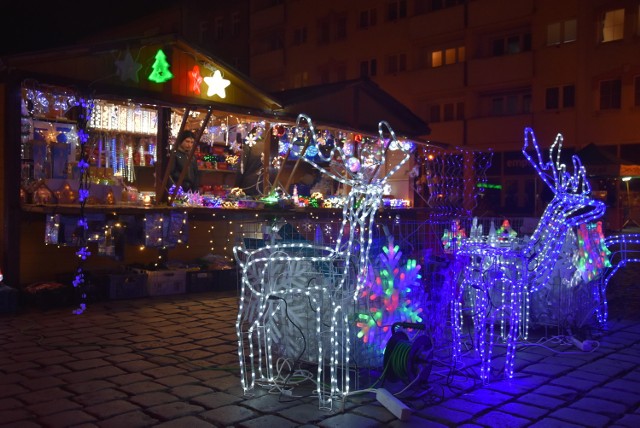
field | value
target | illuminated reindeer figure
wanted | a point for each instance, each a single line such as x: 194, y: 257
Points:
x: 325, y: 278
x: 623, y: 249
x: 497, y: 280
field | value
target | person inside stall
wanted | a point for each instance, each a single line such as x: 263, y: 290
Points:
x: 249, y: 175
x: 191, y: 180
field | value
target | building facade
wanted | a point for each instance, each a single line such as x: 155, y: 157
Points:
x: 478, y: 72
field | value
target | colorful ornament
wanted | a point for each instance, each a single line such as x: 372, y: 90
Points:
x: 195, y: 79
x: 160, y: 67
x: 216, y: 84
x: 127, y: 68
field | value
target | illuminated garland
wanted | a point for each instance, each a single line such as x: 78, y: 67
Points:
x: 83, y: 195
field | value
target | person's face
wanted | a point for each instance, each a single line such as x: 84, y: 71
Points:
x: 186, y: 144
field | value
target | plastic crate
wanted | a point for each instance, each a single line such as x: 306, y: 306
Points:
x: 165, y: 282
x: 8, y: 299
x: 212, y: 280
x: 127, y: 285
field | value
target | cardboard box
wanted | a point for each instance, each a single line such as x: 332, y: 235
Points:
x: 166, y: 282
x: 127, y: 285
x: 212, y: 280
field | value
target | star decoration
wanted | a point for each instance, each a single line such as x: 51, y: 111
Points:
x: 195, y: 79
x: 216, y: 84
x: 127, y: 68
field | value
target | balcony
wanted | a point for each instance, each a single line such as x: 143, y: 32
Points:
x: 500, y: 70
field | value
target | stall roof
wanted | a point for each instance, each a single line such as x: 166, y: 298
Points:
x: 601, y: 163
x: 120, y: 69
x: 357, y: 104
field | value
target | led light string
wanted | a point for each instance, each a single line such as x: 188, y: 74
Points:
x: 352, y: 247
x: 498, y: 281
x: 83, y: 195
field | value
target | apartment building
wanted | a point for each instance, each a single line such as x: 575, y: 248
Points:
x: 478, y: 71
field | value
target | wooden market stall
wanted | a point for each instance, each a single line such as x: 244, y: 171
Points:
x: 136, y: 96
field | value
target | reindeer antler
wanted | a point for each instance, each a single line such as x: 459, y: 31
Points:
x: 351, y: 173
x: 554, y: 172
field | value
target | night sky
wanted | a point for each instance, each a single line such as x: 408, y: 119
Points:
x: 30, y: 26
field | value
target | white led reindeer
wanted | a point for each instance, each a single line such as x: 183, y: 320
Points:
x: 325, y: 279
x: 497, y: 280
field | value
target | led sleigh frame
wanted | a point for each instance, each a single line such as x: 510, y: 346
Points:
x: 326, y: 279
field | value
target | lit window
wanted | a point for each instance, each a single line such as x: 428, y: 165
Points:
x: 613, y: 25
x: 436, y: 59
x: 450, y: 56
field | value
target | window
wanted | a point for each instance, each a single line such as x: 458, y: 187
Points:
x: 434, y: 113
x: 324, y: 31
x: 610, y: 94
x: 324, y: 74
x: 568, y: 96
x: 612, y: 25
x: 300, y: 36
x: 204, y: 32
x: 396, y: 63
x: 368, y: 18
x: 436, y: 59
x: 447, y: 56
x: 636, y: 91
x: 460, y: 110
x: 561, y: 32
x: 300, y: 79
x: 446, y: 112
x: 397, y: 9
x: 508, y: 104
x: 449, y: 112
x: 552, y: 98
x: 511, y: 44
x: 368, y: 68
x: 235, y: 24
x: 218, y: 28
x: 424, y: 6
x: 341, y: 28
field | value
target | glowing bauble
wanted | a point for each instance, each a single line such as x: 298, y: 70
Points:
x: 353, y: 164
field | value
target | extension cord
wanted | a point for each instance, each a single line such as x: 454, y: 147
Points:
x: 586, y: 346
x: 393, y: 404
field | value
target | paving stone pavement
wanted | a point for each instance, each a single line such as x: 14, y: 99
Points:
x: 172, y: 362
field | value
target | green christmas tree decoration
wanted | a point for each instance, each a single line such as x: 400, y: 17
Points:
x: 160, y: 73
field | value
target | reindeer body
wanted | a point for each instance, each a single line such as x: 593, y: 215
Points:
x: 496, y: 280
x: 624, y: 249
x: 329, y: 278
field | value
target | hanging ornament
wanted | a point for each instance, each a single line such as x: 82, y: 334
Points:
x: 195, y: 79
x: 160, y: 67
x: 127, y: 68
x: 216, y: 84
x: 353, y: 164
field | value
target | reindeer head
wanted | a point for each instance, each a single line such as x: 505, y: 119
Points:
x: 572, y: 191
x: 357, y: 167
